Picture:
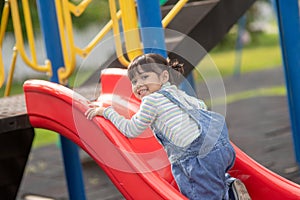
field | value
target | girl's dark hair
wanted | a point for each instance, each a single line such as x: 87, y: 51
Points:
x: 156, y: 63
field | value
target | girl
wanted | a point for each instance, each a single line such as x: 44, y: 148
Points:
x: 196, y: 140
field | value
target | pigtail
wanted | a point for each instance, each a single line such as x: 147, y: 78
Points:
x: 176, y: 65
x: 176, y: 70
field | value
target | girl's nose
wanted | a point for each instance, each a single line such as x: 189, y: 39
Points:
x: 139, y: 83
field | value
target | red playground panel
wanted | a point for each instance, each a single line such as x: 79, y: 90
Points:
x: 138, y: 167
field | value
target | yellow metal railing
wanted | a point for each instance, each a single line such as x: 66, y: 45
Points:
x: 19, y: 37
x: 117, y: 37
x: 4, y: 20
x: 64, y: 9
x: 129, y: 22
x: 173, y: 12
x: 11, y: 72
x: 19, y: 46
x: 86, y: 50
x: 67, y: 40
x: 128, y: 15
x: 80, y: 8
x: 69, y: 49
x: 77, y: 11
x: 130, y: 26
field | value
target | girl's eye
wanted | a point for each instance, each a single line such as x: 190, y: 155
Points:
x: 145, y: 77
x: 133, y: 82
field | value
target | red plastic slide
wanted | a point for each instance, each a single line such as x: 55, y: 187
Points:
x: 138, y: 167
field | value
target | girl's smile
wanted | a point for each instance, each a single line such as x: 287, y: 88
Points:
x: 142, y: 92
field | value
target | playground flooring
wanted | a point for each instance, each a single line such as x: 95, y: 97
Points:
x: 258, y: 124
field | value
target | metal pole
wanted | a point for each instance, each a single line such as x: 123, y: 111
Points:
x: 152, y: 32
x: 239, y: 46
x: 48, y: 20
x: 288, y: 22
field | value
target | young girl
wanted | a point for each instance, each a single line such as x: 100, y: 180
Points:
x: 196, y: 140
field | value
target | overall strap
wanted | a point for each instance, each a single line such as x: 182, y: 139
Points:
x: 169, y: 96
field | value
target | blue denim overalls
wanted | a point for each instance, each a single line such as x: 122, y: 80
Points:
x: 200, y: 168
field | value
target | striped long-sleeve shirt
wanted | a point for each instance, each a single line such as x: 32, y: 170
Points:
x: 172, y: 121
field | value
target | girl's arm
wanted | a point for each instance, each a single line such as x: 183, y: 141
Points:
x: 129, y: 127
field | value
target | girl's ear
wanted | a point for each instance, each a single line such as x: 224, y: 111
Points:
x: 164, y: 76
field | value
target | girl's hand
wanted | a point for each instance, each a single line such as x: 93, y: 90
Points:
x: 93, y: 111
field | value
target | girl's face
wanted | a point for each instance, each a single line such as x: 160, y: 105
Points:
x: 145, y: 83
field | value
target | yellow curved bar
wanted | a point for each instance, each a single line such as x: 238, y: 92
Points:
x: 29, y: 29
x: 19, y: 39
x: 86, y: 50
x: 69, y: 48
x: 112, y: 7
x: 2, y: 71
x: 67, y: 43
x: 78, y: 10
x: 11, y: 72
x: 4, y: 20
x: 130, y: 26
x: 173, y: 12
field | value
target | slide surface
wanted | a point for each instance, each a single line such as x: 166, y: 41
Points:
x: 138, y: 167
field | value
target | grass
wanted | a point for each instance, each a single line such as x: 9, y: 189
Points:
x: 17, y: 88
x: 265, y: 54
x: 252, y: 59
x: 259, y: 92
x: 44, y: 137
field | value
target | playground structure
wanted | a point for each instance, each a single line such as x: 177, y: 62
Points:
x: 134, y: 162
x: 258, y: 177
